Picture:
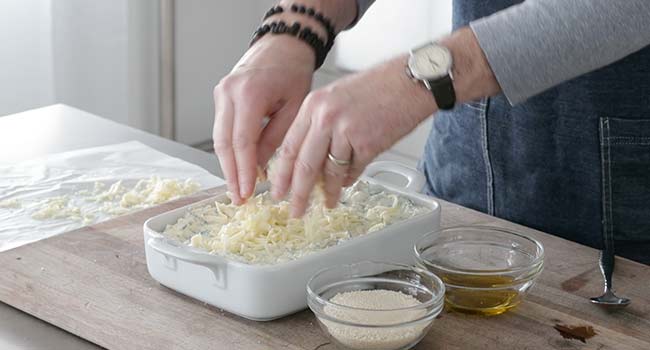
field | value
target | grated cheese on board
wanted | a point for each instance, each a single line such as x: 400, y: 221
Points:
x: 118, y: 199
x: 11, y: 204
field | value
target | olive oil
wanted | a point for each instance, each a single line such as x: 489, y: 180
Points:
x: 480, y: 295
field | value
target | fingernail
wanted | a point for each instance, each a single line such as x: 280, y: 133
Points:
x: 234, y: 198
x: 245, y: 190
x: 296, y: 213
x: 276, y: 193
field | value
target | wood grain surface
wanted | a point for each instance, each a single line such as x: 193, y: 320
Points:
x: 93, y: 282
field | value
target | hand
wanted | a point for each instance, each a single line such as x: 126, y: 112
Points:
x: 271, y: 80
x: 354, y: 119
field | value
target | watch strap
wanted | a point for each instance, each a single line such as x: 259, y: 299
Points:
x: 443, y: 92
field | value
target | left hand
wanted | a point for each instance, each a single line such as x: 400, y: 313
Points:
x: 355, y: 119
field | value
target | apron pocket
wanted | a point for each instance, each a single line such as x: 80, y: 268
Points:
x: 625, y: 161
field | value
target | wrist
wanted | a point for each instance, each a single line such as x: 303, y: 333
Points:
x: 415, y: 95
x: 280, y: 49
x: 397, y: 94
x: 473, y: 77
x: 290, y: 18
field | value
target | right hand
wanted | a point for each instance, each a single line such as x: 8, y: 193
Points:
x: 270, y: 80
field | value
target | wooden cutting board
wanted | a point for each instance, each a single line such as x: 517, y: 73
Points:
x: 93, y: 282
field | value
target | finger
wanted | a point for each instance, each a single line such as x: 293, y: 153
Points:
x: 274, y: 132
x: 283, y: 166
x: 356, y: 169
x: 335, y: 174
x: 353, y: 175
x: 308, y: 167
x: 246, y: 130
x: 222, y: 141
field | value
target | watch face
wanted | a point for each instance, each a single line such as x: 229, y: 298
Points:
x: 430, y: 62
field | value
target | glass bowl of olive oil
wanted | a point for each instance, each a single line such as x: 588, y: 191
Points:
x: 486, y: 270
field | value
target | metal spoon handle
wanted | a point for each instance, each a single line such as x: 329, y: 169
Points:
x: 607, y: 258
x: 607, y: 267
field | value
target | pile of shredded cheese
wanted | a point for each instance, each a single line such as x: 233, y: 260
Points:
x: 261, y: 231
x: 11, y: 204
x: 118, y: 199
x: 56, y: 208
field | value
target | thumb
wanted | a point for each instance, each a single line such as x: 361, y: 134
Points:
x: 274, y: 131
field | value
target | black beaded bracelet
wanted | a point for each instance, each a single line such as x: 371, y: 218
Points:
x: 305, y: 34
x: 272, y: 11
x: 319, y: 17
x: 310, y: 12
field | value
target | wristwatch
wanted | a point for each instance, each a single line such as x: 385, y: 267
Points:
x: 431, y: 64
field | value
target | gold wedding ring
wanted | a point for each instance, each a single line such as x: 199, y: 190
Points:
x: 339, y: 162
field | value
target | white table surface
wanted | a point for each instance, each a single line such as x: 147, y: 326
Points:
x: 54, y: 129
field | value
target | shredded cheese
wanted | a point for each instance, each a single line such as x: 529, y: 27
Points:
x: 261, y: 231
x: 57, y: 208
x: 113, y: 192
x: 11, y: 204
x: 118, y: 199
x: 156, y: 191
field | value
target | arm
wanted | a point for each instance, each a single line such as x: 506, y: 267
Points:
x: 541, y: 43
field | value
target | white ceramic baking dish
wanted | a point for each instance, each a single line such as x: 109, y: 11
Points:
x: 266, y: 292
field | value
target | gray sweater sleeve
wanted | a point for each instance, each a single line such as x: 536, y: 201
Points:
x: 362, y: 7
x: 538, y: 44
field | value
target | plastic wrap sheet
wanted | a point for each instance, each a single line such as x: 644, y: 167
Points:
x: 25, y: 186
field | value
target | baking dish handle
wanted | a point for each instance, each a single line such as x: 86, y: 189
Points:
x: 415, y: 179
x: 213, y: 262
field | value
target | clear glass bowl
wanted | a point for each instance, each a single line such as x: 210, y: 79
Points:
x: 384, y: 326
x: 486, y: 270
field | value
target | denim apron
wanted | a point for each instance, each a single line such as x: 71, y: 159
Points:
x: 573, y: 161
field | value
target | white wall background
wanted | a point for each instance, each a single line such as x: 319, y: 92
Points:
x: 390, y: 28
x: 106, y: 58
x: 100, y: 56
x: 210, y: 38
x: 89, y: 42
x: 26, y: 67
